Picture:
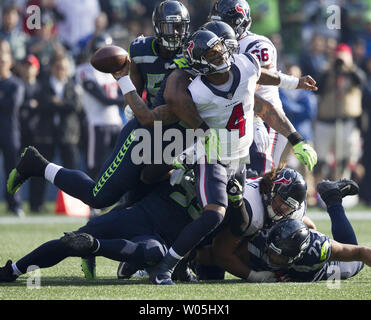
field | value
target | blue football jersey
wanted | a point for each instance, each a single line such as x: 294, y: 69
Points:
x: 307, y: 268
x: 153, y: 68
x: 313, y: 260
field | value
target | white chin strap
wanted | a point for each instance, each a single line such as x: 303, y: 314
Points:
x: 225, y: 67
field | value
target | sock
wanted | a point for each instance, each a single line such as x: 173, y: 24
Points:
x: 51, y: 171
x: 170, y: 260
x: 16, y: 271
x: 342, y: 230
x: 194, y: 232
x: 45, y: 256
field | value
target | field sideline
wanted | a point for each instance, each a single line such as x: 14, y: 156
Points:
x: 65, y: 281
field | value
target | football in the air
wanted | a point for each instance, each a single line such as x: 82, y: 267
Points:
x: 109, y: 59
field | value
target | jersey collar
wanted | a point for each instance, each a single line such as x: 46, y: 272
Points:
x: 236, y: 81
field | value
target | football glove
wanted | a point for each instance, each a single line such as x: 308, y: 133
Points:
x: 212, y: 146
x: 305, y: 154
x: 234, y: 191
x: 261, y: 136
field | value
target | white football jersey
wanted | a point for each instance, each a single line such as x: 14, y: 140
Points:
x: 255, y: 208
x: 98, y: 113
x: 266, y: 53
x: 232, y: 110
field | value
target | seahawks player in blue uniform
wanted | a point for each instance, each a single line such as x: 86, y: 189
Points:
x: 152, y: 58
x: 301, y: 254
x: 140, y: 234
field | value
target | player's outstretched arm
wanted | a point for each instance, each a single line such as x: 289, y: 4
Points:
x: 350, y: 252
x: 278, y: 121
x: 145, y: 116
x: 286, y: 81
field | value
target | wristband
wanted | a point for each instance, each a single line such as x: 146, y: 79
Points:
x: 288, y: 82
x: 295, y: 138
x: 126, y: 85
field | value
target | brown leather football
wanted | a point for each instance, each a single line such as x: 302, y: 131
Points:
x: 109, y: 59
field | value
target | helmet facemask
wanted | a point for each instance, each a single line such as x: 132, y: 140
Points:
x: 280, y: 208
x: 171, y: 33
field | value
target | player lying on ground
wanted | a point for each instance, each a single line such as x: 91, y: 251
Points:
x: 139, y: 235
x: 292, y: 252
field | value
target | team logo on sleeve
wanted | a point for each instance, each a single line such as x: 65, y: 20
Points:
x: 191, y: 45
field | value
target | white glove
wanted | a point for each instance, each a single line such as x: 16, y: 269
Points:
x: 129, y: 114
x: 261, y: 136
x: 261, y: 276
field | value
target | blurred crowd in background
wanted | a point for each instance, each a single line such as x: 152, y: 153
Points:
x: 40, y: 96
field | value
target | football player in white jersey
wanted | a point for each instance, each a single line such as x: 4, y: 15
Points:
x: 265, y: 152
x: 223, y: 94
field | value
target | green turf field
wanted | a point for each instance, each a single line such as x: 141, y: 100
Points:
x: 65, y: 281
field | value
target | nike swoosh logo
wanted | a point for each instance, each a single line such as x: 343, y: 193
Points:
x: 345, y: 188
x: 163, y: 281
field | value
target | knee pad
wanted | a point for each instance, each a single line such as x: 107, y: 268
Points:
x: 150, y: 250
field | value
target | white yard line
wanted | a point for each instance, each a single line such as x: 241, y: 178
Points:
x: 40, y: 220
x: 315, y: 215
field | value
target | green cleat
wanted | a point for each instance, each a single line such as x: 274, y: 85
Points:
x: 32, y: 164
x: 88, y: 266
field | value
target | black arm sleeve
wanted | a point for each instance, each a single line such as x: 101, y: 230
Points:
x: 240, y: 218
x: 96, y: 91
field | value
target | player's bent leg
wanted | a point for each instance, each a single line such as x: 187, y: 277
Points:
x: 118, y: 175
x: 32, y: 164
x: 45, y: 256
x: 332, y: 193
x: 190, y: 236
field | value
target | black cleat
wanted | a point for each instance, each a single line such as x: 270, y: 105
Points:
x: 334, y: 191
x: 82, y: 244
x: 126, y: 270
x: 6, y: 273
x: 32, y: 164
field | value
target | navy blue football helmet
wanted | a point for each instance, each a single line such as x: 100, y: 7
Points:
x: 171, y: 21
x: 234, y: 12
x: 225, y: 31
x: 287, y: 241
x: 291, y: 189
x: 198, y: 45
